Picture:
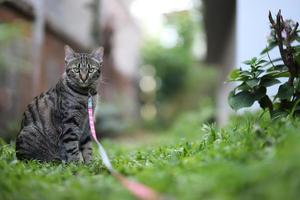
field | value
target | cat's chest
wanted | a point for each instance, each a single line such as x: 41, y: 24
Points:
x: 78, y: 105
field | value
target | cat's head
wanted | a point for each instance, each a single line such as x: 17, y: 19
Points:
x: 83, y: 69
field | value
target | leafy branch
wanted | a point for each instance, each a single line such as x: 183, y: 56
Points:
x: 262, y: 73
x: 285, y: 33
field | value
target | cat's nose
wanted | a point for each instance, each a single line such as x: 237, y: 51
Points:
x: 83, y: 77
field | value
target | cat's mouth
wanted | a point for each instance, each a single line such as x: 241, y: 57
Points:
x: 84, y: 84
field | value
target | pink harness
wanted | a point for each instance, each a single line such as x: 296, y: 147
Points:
x: 137, y: 189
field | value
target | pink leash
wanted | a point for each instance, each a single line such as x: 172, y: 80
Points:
x: 139, y: 190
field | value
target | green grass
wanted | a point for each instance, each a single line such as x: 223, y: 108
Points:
x: 245, y: 160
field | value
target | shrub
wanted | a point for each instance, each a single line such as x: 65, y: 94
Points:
x: 263, y: 73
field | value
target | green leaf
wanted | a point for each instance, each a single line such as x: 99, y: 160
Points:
x: 297, y: 58
x: 250, y: 62
x: 268, y: 81
x: 246, y: 73
x: 273, y: 62
x: 277, y: 74
x: 247, y: 62
x: 264, y: 102
x: 297, y: 88
x: 258, y: 72
x: 296, y: 48
x: 234, y: 75
x: 243, y: 86
x: 285, y: 91
x: 276, y: 114
x: 240, y: 100
x: 259, y: 93
x: 280, y: 67
x: 238, y: 75
x: 281, y: 75
x: 269, y: 47
x: 252, y: 82
x: 261, y: 61
x: 277, y: 59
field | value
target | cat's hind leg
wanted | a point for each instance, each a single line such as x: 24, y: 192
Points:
x: 33, y: 144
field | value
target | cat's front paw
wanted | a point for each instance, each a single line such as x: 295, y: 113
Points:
x: 88, y: 160
x: 75, y: 158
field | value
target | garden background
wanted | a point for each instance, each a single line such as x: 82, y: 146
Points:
x: 163, y: 113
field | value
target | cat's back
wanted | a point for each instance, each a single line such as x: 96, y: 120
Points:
x: 38, y: 137
x: 40, y: 110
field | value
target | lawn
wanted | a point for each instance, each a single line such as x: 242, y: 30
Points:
x: 251, y: 158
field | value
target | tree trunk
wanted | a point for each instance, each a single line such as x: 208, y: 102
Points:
x: 219, y: 20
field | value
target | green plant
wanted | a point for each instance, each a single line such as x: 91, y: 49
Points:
x: 264, y: 73
x: 234, y: 162
x: 171, y: 63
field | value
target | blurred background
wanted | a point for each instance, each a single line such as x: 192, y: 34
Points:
x: 165, y: 63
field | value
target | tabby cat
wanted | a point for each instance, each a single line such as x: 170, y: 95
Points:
x: 55, y: 124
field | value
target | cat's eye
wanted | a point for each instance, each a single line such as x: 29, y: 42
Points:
x: 91, y: 70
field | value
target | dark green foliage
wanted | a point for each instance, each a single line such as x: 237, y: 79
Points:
x: 171, y: 66
x: 182, y: 81
x: 263, y: 73
x: 172, y: 63
x: 246, y: 160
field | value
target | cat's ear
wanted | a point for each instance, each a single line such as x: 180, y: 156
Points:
x: 98, y: 54
x: 69, y: 54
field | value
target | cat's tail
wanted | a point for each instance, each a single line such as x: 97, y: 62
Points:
x: 32, y: 144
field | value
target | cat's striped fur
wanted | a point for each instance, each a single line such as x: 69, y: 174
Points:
x: 55, y: 124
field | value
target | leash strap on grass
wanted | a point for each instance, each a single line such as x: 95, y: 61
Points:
x: 137, y: 189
